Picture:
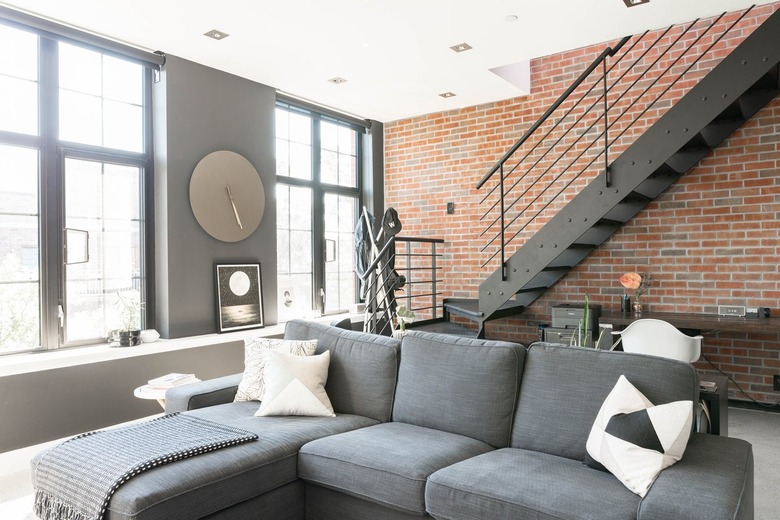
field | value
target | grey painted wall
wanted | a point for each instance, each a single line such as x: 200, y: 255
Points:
x: 42, y: 406
x: 199, y: 110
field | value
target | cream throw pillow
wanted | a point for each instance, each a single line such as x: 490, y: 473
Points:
x: 252, y: 385
x: 295, y: 385
x: 635, y: 440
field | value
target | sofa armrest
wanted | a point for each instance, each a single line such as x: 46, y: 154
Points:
x: 200, y: 395
x: 713, y: 480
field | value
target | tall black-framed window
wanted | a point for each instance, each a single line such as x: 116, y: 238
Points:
x: 318, y: 175
x: 75, y: 172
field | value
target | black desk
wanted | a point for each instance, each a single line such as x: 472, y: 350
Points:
x: 705, y: 323
x: 718, y: 403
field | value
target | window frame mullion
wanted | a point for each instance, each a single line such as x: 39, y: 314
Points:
x: 50, y: 197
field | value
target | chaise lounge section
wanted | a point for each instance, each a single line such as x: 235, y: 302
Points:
x: 444, y: 427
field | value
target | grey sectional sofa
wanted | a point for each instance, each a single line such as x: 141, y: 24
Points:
x: 440, y: 426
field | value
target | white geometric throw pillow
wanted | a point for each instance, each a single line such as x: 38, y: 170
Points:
x: 635, y: 440
x: 252, y: 385
x: 295, y: 385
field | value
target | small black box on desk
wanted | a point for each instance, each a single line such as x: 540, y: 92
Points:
x: 569, y: 315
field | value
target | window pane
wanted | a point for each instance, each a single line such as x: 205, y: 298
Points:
x: 23, y: 61
x: 18, y: 81
x: 103, y: 199
x: 300, y: 129
x: 18, y: 180
x: 329, y: 172
x: 300, y: 161
x: 80, y: 70
x: 329, y: 136
x: 18, y: 105
x: 122, y: 81
x: 294, y: 251
x: 347, y: 170
x: 123, y: 126
x: 282, y: 158
x: 340, y: 219
x: 81, y: 118
x: 100, y: 100
x: 19, y: 250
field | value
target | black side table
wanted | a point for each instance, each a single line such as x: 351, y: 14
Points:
x: 718, y: 402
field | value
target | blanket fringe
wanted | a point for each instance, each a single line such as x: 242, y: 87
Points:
x: 47, y: 507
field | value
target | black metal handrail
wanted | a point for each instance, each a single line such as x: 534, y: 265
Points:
x: 420, y: 262
x: 543, y: 184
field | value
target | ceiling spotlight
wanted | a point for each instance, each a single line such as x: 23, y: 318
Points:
x: 632, y: 3
x: 511, y: 18
x: 447, y: 94
x: 337, y: 80
x: 217, y: 35
x: 461, y: 47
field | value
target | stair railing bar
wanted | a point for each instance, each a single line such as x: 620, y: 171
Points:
x: 607, y: 176
x: 503, y: 226
x: 598, y: 137
x: 563, y: 118
x: 608, y: 51
x: 434, y: 272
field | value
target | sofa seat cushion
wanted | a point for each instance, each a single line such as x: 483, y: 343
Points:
x: 512, y: 483
x: 388, y: 463
x: 205, y: 484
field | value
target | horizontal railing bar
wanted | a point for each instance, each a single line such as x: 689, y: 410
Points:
x: 420, y: 239
x: 609, y: 51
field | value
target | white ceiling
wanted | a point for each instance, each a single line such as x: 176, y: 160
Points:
x: 394, y: 54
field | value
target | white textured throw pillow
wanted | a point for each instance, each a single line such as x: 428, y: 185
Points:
x: 635, y: 440
x: 295, y: 385
x: 252, y: 385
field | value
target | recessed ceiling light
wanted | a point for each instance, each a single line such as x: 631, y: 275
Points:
x: 632, y: 3
x: 217, y: 35
x: 510, y: 18
x: 447, y: 94
x: 337, y: 80
x: 461, y: 47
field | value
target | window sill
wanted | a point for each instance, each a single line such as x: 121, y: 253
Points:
x: 38, y: 361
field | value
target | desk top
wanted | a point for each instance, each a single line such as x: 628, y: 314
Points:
x: 706, y: 323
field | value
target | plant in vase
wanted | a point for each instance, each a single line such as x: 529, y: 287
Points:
x: 130, y: 307
x: 637, y: 283
x: 404, y: 316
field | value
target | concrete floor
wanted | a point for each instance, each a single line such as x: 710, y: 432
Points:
x: 762, y: 429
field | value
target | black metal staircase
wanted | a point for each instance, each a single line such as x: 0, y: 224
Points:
x: 649, y: 161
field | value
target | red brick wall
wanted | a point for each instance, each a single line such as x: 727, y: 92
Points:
x: 712, y: 239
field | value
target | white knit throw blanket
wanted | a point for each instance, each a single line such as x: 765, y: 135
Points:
x: 76, y: 479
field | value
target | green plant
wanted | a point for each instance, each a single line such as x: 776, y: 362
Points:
x: 404, y: 316
x: 130, y: 307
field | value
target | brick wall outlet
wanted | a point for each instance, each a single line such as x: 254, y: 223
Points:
x: 776, y: 382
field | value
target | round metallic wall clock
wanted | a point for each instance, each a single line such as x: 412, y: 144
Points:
x: 227, y: 196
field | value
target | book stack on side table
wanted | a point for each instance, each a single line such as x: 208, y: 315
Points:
x: 156, y: 388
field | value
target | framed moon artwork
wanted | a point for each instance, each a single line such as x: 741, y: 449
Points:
x: 239, y: 296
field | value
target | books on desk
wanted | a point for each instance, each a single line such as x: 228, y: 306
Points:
x: 707, y: 386
x: 172, y: 380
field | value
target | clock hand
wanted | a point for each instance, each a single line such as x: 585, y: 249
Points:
x: 232, y: 203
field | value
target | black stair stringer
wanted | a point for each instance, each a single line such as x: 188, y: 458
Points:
x: 740, y: 85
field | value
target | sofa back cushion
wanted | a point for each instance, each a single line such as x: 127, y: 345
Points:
x: 563, y: 389
x: 363, y: 367
x: 459, y: 385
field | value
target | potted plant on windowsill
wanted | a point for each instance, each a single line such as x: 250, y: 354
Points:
x: 130, y: 307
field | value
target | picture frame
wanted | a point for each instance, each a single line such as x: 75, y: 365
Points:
x: 239, y: 296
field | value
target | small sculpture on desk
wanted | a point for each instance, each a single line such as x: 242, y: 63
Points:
x: 625, y: 304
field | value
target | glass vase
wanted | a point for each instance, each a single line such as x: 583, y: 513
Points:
x: 637, y: 306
